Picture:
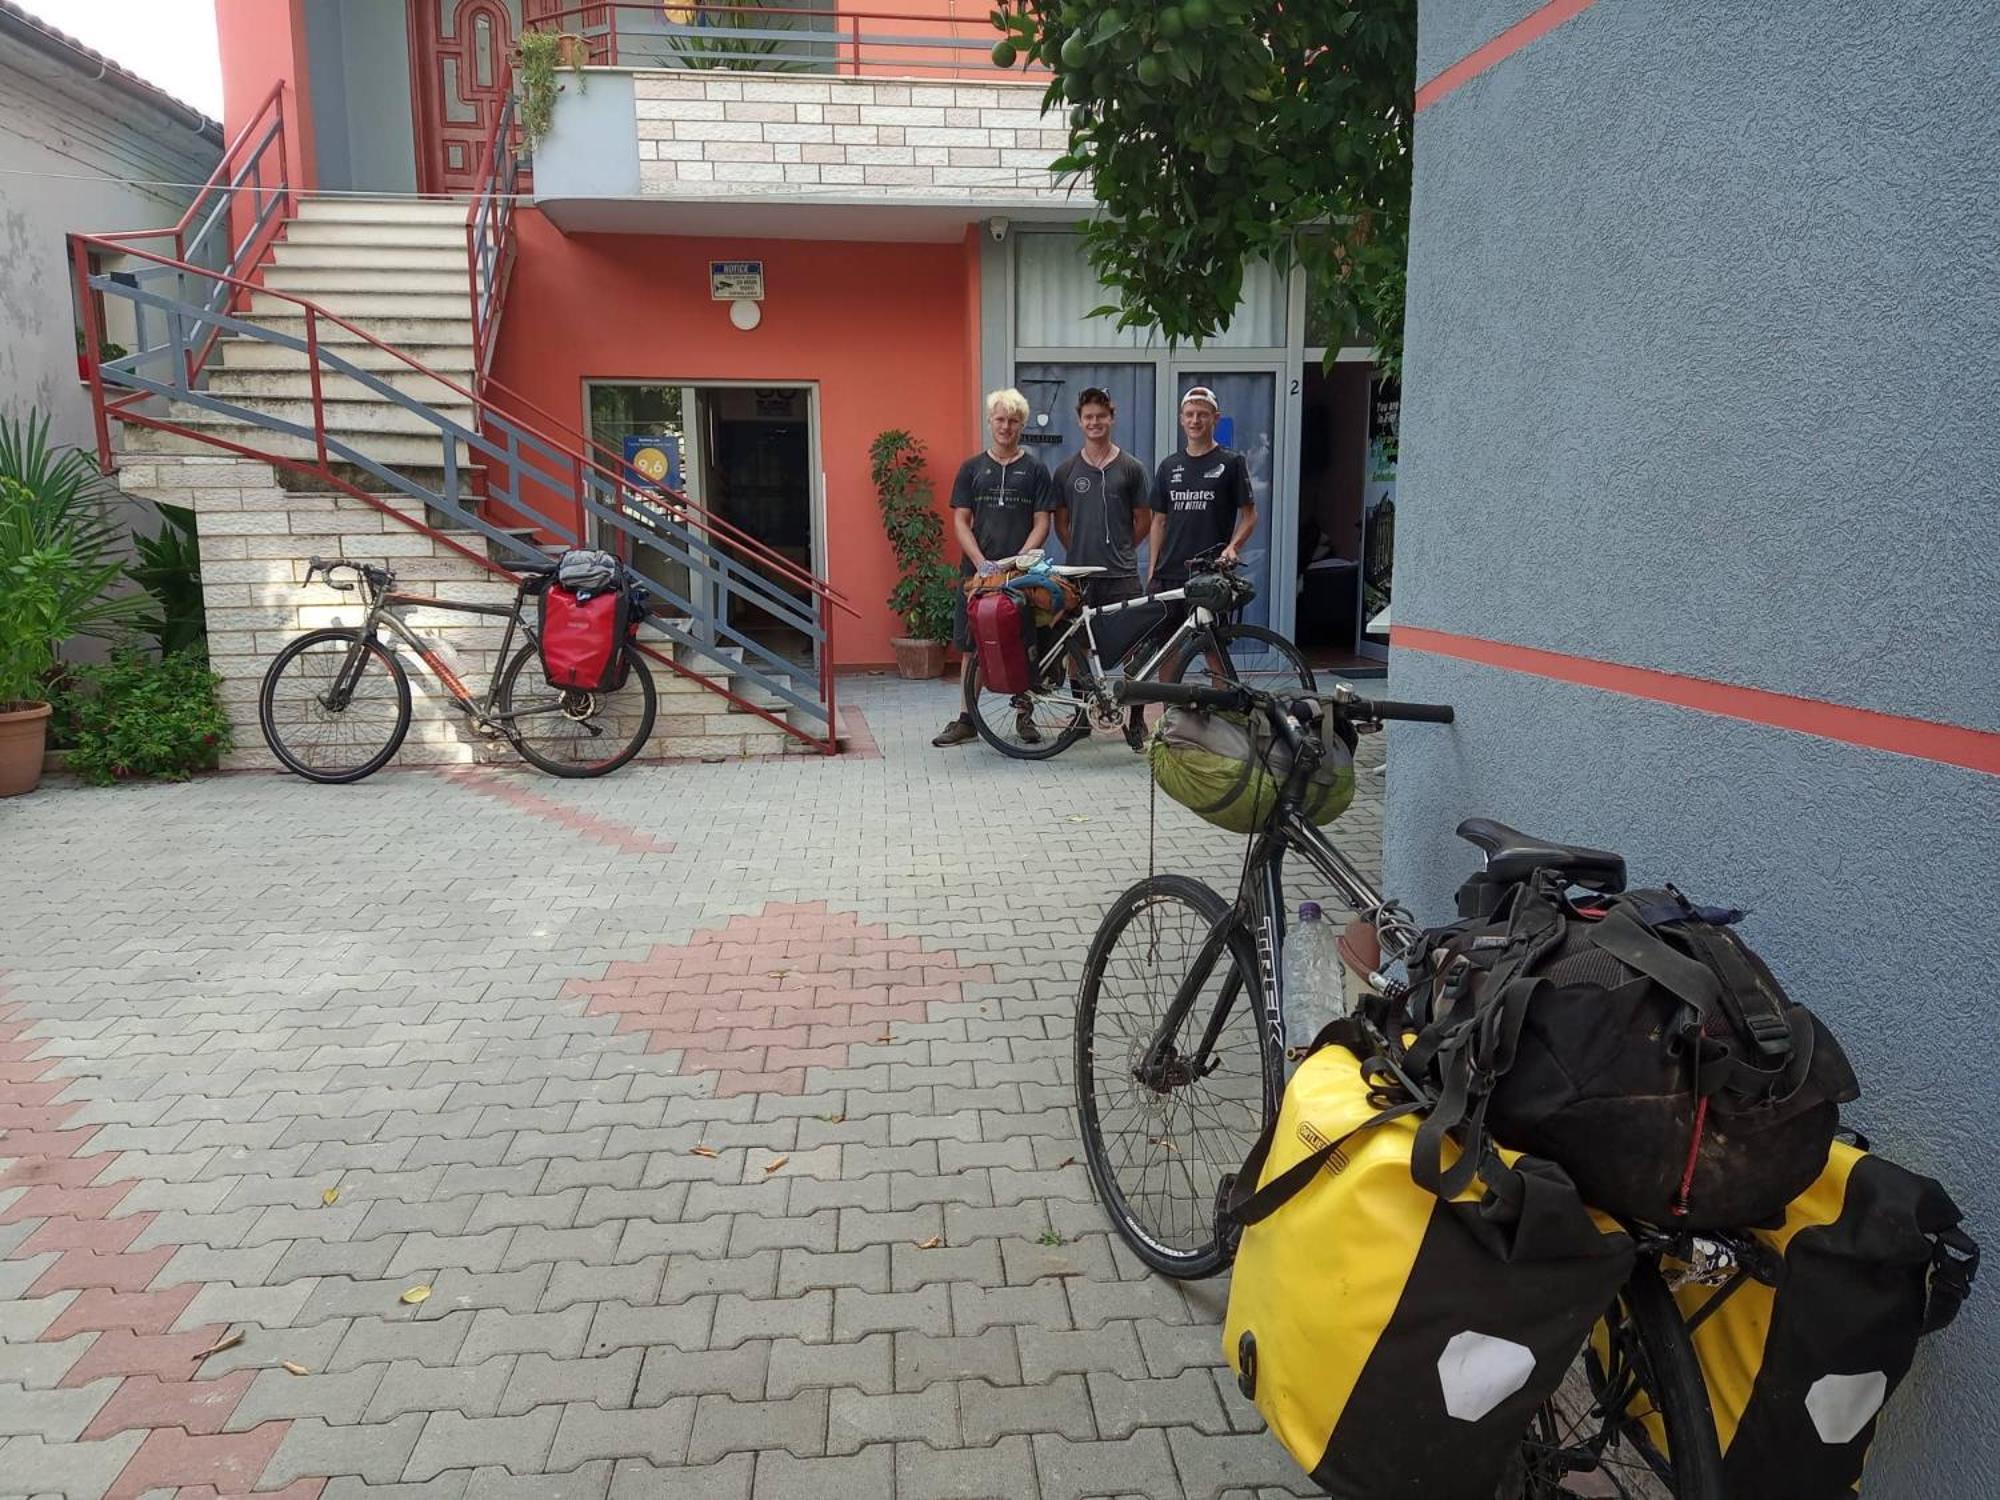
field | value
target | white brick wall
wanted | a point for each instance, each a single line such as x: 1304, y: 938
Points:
x: 947, y: 140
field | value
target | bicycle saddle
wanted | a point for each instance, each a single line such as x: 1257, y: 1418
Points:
x: 1513, y: 855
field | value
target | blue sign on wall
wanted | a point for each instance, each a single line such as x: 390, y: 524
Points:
x: 653, y: 461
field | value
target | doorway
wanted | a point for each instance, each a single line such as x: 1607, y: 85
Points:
x: 1346, y: 473
x: 458, y: 59
x: 743, y: 456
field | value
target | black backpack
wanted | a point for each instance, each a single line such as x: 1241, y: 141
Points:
x: 1634, y: 1039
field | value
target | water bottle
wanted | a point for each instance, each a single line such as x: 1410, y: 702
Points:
x: 1313, y: 986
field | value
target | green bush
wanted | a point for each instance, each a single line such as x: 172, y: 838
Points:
x: 169, y: 569
x: 143, y: 716
x: 926, y: 591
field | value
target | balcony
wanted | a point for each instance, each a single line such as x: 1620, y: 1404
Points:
x: 830, y: 122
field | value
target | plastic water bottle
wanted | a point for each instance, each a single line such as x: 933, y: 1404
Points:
x: 1313, y: 985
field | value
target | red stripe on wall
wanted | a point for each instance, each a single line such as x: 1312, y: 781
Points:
x: 1502, y: 47
x: 1922, y: 739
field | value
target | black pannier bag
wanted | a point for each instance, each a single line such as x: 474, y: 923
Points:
x: 1637, y: 1041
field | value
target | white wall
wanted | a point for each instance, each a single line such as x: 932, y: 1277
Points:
x: 60, y: 133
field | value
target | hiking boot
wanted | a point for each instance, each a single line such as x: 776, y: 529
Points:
x: 1135, y: 734
x: 1025, y: 729
x: 957, y: 732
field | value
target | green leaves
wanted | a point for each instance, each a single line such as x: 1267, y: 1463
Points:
x: 137, y: 716
x: 1218, y: 132
x: 925, y: 595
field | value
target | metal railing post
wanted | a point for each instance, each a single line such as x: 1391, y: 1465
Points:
x: 312, y: 371
x: 92, y: 342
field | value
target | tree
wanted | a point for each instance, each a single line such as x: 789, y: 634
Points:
x: 1219, y: 132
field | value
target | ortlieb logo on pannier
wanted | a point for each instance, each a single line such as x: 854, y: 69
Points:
x: 588, y: 612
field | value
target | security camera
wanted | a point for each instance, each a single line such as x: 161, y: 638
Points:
x: 997, y: 227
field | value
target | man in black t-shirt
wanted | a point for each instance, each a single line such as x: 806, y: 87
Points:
x: 1103, y: 511
x: 1000, y: 504
x: 1201, y: 496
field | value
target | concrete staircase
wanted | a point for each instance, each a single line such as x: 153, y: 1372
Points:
x: 398, y: 270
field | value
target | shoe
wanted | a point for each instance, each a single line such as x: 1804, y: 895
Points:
x: 1025, y: 729
x: 1135, y: 735
x: 957, y: 732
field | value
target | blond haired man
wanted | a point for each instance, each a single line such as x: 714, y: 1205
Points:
x: 1000, y: 502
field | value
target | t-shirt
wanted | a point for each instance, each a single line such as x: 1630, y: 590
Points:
x: 1100, y: 503
x: 1003, y: 499
x: 1201, y: 497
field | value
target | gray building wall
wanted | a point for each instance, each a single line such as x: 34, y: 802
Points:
x: 1703, y: 375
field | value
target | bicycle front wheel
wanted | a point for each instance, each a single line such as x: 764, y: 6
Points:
x: 1165, y: 1126
x: 1246, y: 654
x: 1632, y: 1416
x: 335, y: 706
x: 568, y: 732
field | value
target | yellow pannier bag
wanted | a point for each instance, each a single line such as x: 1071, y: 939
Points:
x: 1868, y: 1259
x: 1397, y: 1343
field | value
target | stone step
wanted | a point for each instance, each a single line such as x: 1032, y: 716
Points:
x: 383, y: 210
x: 296, y: 385
x: 356, y: 420
x: 305, y: 254
x: 336, y: 286
x: 391, y: 450
x: 418, y: 336
x: 367, y: 308
x: 379, y: 236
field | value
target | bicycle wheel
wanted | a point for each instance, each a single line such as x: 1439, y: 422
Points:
x: 1028, y: 726
x: 1631, y: 1417
x: 1161, y: 1137
x: 329, y: 723
x: 1249, y: 654
x: 568, y: 732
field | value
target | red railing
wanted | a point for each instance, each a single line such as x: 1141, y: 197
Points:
x: 582, y: 471
x: 747, y: 37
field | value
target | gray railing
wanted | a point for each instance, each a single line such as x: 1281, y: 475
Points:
x: 489, y: 235
x: 713, y: 576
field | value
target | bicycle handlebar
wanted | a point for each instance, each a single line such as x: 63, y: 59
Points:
x: 327, y: 566
x: 1241, y: 699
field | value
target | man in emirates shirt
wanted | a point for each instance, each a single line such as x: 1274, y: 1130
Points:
x: 1201, y: 496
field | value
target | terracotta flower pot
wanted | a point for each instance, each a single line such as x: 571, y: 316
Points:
x: 572, y: 51
x: 23, y: 729
x: 918, y: 661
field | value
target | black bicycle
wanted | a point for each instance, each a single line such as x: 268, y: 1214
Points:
x: 1180, y: 1066
x: 1176, y: 635
x: 335, y: 704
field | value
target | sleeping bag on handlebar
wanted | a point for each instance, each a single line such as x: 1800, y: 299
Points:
x: 1398, y: 1343
x: 1229, y: 768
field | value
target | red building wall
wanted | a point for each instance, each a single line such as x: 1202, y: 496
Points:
x: 887, y: 332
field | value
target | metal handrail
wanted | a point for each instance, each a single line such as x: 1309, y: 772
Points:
x: 489, y: 231
x: 833, y: 41
x: 525, y: 458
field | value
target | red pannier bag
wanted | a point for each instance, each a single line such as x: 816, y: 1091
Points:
x: 1000, y: 636
x: 583, y: 638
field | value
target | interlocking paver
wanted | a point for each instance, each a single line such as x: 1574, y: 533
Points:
x: 57, y: 1416
x: 465, y: 1059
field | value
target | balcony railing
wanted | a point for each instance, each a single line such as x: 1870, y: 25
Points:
x: 753, y: 38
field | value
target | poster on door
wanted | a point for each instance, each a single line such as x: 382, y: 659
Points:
x: 653, y: 461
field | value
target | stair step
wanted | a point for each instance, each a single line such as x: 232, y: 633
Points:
x: 413, y: 334
x: 336, y: 286
x: 244, y: 354
x: 388, y: 449
x: 292, y: 254
x: 361, y: 307
x: 384, y: 210
x: 296, y: 385
x: 354, y: 421
x: 347, y: 233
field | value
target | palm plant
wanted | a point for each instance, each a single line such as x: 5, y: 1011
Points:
x: 58, y: 556
x: 712, y: 36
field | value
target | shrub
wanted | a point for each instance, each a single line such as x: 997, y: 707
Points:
x: 143, y: 716
x: 926, y: 592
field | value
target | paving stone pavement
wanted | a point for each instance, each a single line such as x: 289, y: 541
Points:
x: 723, y: 1108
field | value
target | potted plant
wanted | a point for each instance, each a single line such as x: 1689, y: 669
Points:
x: 926, y: 591
x: 57, y: 566
x: 537, y: 56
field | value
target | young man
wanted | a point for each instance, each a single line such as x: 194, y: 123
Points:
x: 1000, y: 505
x: 1202, y: 496
x: 1103, y: 501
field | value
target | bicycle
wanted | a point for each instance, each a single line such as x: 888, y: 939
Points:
x: 335, y: 703
x: 1074, y: 692
x: 1199, y: 1072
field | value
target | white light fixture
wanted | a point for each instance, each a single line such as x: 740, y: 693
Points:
x: 745, y: 314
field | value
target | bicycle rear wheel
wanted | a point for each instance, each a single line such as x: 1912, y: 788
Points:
x: 1161, y: 1135
x: 334, y: 706
x: 1026, y: 726
x: 1631, y: 1417
x: 568, y: 732
x: 1247, y: 654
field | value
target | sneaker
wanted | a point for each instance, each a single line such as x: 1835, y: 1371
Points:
x: 1135, y: 735
x: 1025, y: 729
x: 957, y: 732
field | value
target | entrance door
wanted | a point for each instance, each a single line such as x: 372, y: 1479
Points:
x: 459, y: 51
x: 1249, y: 424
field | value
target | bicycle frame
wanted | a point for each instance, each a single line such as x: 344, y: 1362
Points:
x: 1197, y: 619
